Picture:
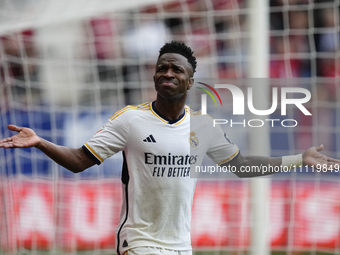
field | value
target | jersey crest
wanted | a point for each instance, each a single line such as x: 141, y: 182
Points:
x: 193, y: 139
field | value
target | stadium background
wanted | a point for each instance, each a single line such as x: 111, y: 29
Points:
x: 66, y: 67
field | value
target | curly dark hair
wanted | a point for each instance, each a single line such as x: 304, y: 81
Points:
x: 180, y: 48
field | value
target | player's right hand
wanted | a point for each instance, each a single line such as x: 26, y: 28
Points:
x: 25, y: 138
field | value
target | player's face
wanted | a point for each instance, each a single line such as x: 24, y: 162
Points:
x: 173, y: 76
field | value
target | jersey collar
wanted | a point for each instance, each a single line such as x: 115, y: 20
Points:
x: 159, y: 115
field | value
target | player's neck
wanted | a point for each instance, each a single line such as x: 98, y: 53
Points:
x: 170, y: 109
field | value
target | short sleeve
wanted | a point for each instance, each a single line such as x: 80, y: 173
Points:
x: 221, y: 149
x: 108, y: 140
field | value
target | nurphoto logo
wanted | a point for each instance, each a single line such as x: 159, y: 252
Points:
x: 239, y: 101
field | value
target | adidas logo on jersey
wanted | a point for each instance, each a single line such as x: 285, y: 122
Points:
x: 149, y: 139
x: 125, y: 244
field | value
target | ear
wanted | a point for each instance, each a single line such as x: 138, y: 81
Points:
x: 191, y: 82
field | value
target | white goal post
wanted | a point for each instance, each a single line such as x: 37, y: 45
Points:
x: 17, y: 15
x: 259, y: 68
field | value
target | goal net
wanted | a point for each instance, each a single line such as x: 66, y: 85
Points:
x: 67, y: 66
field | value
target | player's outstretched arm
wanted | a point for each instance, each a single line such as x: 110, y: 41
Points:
x: 75, y: 160
x: 252, y: 166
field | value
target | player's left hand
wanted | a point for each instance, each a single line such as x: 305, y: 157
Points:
x: 312, y: 157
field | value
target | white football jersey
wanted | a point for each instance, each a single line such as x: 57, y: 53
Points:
x: 157, y: 188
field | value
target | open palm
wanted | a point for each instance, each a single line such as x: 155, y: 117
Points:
x: 25, y: 138
x: 313, y: 157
